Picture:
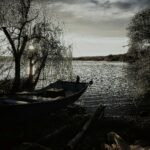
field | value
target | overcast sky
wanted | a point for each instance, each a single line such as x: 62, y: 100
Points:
x: 96, y: 27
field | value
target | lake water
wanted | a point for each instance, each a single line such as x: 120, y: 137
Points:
x: 112, y: 86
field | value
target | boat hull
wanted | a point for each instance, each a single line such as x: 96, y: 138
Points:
x: 22, y: 112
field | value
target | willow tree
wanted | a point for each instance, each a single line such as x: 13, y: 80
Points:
x: 47, y: 53
x: 139, y: 34
x: 138, y: 31
x: 23, y: 27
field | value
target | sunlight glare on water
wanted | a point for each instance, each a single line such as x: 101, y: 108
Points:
x: 111, y: 86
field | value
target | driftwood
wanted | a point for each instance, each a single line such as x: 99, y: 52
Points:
x: 60, y: 132
x: 46, y: 139
x: 120, y: 143
x: 99, y: 113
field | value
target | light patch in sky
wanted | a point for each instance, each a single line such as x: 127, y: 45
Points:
x: 97, y: 46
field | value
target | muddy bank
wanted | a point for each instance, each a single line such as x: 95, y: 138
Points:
x: 72, y: 126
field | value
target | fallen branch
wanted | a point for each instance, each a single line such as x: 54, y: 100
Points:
x: 33, y: 146
x: 61, y: 132
x: 46, y: 139
x: 99, y: 113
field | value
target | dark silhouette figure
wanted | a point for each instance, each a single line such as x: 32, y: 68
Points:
x: 91, y: 82
x: 77, y: 79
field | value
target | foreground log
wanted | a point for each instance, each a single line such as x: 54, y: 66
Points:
x: 99, y: 114
x: 33, y: 146
x: 64, y: 133
x: 49, y: 137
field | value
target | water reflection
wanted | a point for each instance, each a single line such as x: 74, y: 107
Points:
x: 112, y: 86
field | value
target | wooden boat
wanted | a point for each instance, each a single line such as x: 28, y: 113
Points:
x: 39, y: 102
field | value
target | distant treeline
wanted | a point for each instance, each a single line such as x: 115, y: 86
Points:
x: 119, y: 57
x: 5, y: 58
x: 127, y: 57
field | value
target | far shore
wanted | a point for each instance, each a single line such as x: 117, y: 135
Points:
x: 119, y: 57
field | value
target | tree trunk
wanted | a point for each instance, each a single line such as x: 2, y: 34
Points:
x: 16, y: 84
x: 38, y: 71
x: 30, y: 70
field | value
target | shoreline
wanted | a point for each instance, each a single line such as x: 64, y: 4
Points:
x: 67, y: 130
x: 119, y: 57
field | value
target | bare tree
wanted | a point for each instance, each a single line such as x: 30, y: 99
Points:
x: 15, y: 23
x: 23, y: 26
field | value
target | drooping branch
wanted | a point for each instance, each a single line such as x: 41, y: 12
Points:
x: 38, y: 71
x: 25, y: 39
x: 10, y: 40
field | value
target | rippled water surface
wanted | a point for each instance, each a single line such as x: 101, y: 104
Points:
x: 112, y: 86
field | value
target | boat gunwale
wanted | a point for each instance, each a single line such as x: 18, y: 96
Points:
x: 34, y: 102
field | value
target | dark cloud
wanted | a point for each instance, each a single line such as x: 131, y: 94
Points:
x: 134, y: 4
x: 95, y: 2
x: 65, y: 1
x: 124, y: 5
x: 144, y: 3
x: 98, y: 17
x: 106, y: 4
